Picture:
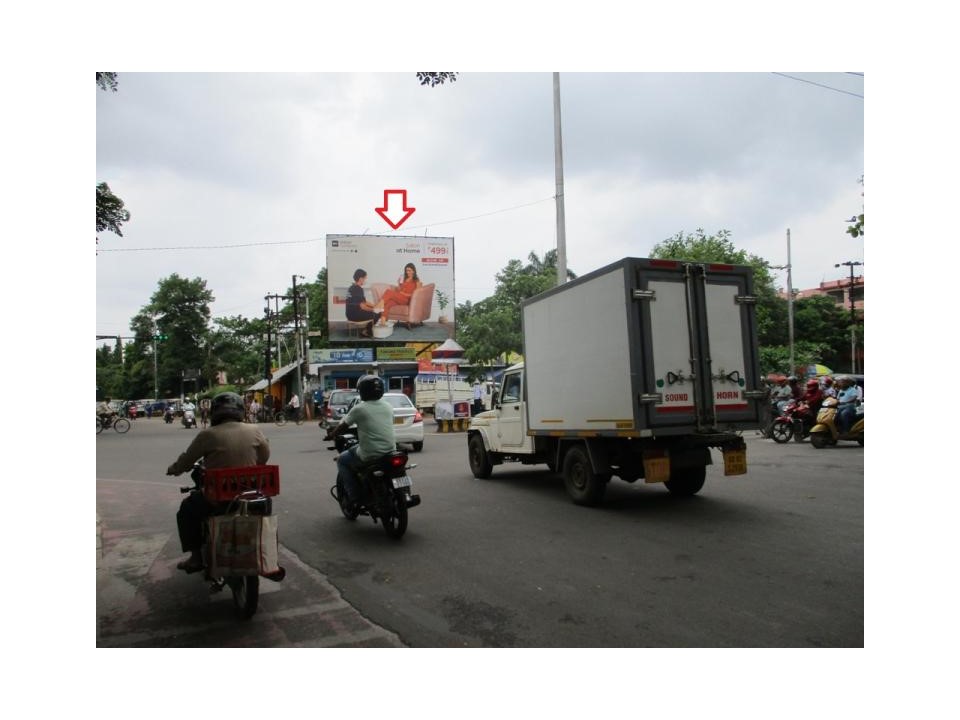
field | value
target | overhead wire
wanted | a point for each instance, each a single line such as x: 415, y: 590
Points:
x: 811, y: 82
x: 314, y: 240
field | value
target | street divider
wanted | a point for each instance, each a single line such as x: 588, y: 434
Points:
x: 453, y: 425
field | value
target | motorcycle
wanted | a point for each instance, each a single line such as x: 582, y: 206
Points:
x: 189, y: 419
x: 385, y: 486
x: 826, y: 432
x: 233, y: 558
x: 795, y: 422
x: 168, y: 415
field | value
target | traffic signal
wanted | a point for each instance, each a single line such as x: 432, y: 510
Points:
x: 161, y: 336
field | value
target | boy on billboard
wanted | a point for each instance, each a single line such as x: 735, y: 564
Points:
x: 357, y: 307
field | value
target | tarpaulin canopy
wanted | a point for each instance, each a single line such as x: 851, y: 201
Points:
x: 448, y: 350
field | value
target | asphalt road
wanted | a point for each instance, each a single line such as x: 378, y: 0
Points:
x: 770, y: 559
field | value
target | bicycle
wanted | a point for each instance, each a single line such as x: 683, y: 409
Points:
x: 296, y: 415
x: 120, y: 424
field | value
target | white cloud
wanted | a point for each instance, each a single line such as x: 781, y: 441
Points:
x: 235, y: 159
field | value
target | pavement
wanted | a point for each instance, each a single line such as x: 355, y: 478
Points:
x: 144, y: 601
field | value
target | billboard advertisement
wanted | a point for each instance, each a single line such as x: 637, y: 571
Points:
x: 390, y: 288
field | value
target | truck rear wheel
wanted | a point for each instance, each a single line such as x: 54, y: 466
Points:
x: 687, y: 481
x: 584, y: 486
x: 480, y: 464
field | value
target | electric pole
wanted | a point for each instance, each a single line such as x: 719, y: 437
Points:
x: 853, y: 316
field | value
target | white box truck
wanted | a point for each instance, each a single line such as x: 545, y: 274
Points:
x: 635, y: 370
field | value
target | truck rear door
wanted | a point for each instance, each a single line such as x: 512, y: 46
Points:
x: 698, y: 327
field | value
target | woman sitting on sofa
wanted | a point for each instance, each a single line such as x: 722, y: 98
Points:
x: 401, y: 294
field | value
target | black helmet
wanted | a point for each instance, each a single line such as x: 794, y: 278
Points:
x: 370, y: 387
x: 226, y: 407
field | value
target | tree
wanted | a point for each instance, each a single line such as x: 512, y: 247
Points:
x: 111, y: 213
x: 107, y: 81
x: 492, y: 327
x: 700, y: 247
x: 856, y: 230
x: 180, y: 312
x: 436, y: 78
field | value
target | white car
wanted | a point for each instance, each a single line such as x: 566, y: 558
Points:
x: 407, y: 420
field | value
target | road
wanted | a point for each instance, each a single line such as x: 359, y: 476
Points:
x: 770, y: 559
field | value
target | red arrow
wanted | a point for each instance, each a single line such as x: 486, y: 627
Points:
x: 386, y: 212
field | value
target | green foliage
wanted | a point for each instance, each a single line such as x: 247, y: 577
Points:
x: 179, y: 309
x: 436, y: 78
x: 700, y: 247
x: 856, y: 230
x: 111, y: 213
x: 492, y: 327
x: 107, y: 81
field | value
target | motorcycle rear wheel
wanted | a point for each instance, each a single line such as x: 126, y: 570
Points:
x: 396, y: 524
x: 781, y: 430
x: 246, y: 594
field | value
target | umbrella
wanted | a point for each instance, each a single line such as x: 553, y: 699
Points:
x: 818, y: 370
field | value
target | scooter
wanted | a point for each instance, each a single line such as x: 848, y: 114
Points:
x: 386, y: 488
x: 234, y: 556
x: 168, y: 415
x: 189, y: 419
x: 826, y: 432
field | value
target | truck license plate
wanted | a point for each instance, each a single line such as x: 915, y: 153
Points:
x: 401, y: 482
x: 735, y: 462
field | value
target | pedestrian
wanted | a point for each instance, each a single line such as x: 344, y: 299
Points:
x: 477, y: 397
x: 253, y: 412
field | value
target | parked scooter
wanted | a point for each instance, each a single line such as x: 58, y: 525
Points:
x: 386, y: 489
x: 240, y: 542
x: 826, y: 432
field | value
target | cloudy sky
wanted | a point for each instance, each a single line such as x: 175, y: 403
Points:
x: 237, y: 178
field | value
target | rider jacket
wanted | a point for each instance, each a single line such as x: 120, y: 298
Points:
x: 229, y: 444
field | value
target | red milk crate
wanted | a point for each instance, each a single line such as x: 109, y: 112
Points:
x: 224, y: 484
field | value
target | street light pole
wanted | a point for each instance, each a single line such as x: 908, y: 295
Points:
x: 853, y: 317
x: 789, y: 268
x: 793, y: 366
x: 558, y: 169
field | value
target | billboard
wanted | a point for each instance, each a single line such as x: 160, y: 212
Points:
x: 390, y: 288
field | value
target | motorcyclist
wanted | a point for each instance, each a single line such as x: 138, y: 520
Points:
x: 828, y: 388
x: 847, y: 400
x: 811, y: 400
x: 374, y: 420
x: 228, y: 442
x: 782, y: 394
